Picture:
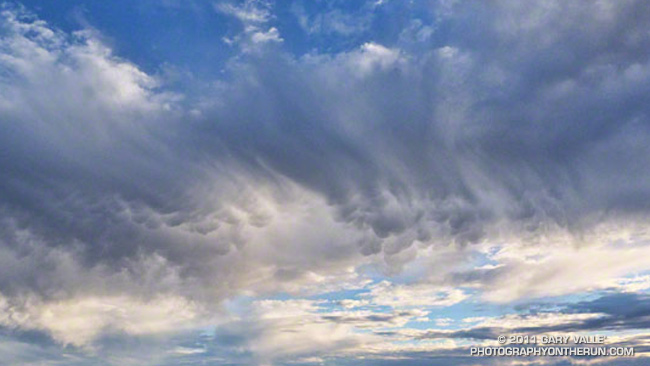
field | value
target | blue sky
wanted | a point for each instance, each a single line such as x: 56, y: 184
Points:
x: 377, y: 182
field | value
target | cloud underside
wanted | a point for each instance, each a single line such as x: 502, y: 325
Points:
x: 505, y: 158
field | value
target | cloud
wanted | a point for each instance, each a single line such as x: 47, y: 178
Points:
x: 472, y: 159
x: 557, y: 269
x: 80, y: 321
x: 272, y: 35
x: 610, y: 312
x: 251, y: 11
x: 103, y: 202
x: 254, y: 16
x: 333, y: 20
x: 278, y: 330
x: 275, y: 331
x: 521, y: 137
x: 404, y: 296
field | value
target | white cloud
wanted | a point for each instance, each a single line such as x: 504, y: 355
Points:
x: 351, y: 304
x: 525, y: 271
x: 251, y: 11
x: 78, y: 321
x: 422, y: 295
x: 373, y: 55
x: 443, y: 322
x: 272, y: 35
x: 254, y: 15
x: 92, y: 77
x: 291, y: 328
x: 632, y: 284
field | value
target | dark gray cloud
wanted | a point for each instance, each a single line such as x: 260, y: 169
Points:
x: 627, y: 310
x: 496, y: 126
x: 526, y: 116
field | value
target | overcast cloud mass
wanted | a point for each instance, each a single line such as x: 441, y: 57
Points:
x: 265, y: 183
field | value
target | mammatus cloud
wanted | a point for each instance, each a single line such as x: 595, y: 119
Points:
x: 493, y: 160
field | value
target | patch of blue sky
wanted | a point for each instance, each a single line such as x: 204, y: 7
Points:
x: 151, y: 34
x: 325, y: 26
x: 353, y: 294
x: 340, y: 26
x: 458, y: 313
x: 189, y: 35
x: 556, y: 303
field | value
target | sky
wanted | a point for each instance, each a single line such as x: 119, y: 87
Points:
x: 306, y: 183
